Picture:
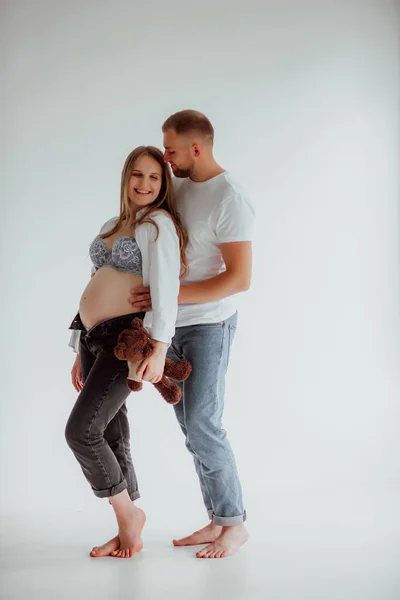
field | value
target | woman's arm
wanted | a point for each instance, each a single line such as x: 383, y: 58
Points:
x: 162, y: 258
x: 163, y: 277
x: 76, y: 374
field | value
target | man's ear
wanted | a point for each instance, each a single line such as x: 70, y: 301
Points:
x: 196, y: 150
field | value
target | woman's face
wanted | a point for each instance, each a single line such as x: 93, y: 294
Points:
x: 145, y: 182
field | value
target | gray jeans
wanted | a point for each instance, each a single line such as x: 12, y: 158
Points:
x: 199, y: 414
x: 97, y: 430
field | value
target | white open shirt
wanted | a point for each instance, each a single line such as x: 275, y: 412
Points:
x: 160, y: 270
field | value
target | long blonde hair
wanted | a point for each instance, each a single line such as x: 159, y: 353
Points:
x: 164, y: 200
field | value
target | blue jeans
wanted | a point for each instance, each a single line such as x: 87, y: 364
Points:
x: 199, y: 414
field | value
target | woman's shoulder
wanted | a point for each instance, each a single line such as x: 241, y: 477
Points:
x: 108, y: 224
x: 161, y: 224
x: 159, y: 215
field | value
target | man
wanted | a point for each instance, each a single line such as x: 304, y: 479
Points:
x: 219, y: 221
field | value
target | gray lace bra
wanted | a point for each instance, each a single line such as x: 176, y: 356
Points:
x: 124, y: 256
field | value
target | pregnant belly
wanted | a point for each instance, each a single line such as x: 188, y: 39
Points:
x: 106, y: 296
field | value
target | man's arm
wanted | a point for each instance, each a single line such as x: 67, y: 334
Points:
x: 238, y: 261
x: 234, y: 220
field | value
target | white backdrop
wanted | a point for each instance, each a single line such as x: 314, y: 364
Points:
x: 304, y: 100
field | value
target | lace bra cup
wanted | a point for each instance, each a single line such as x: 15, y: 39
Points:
x: 124, y: 256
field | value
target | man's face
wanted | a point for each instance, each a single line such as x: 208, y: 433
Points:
x: 179, y: 153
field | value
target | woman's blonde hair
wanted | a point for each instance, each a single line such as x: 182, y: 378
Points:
x: 164, y: 200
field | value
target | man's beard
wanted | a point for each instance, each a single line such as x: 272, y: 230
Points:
x: 182, y: 173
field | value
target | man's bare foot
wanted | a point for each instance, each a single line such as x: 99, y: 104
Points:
x: 105, y: 549
x: 208, y: 534
x: 227, y: 543
x: 130, y: 533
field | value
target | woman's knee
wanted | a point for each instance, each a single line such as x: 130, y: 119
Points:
x: 74, y: 433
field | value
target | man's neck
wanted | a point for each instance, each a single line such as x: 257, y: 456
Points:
x: 206, y: 172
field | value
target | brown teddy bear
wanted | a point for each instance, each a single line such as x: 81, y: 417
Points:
x: 134, y: 345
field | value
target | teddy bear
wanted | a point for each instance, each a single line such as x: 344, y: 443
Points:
x: 134, y: 345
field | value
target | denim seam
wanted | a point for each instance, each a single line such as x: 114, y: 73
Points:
x: 180, y: 355
x: 220, y: 357
x: 230, y: 341
x: 130, y: 483
x: 105, y: 392
x: 220, y: 362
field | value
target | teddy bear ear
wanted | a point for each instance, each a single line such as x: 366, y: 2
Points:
x: 120, y: 351
x: 148, y: 349
x: 137, y: 323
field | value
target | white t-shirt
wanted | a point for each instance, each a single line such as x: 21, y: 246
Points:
x: 213, y: 212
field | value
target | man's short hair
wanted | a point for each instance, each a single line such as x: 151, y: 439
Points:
x: 188, y: 121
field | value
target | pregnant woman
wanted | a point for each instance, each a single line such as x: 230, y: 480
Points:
x: 145, y: 245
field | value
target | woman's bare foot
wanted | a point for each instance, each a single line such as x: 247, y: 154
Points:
x: 105, y: 549
x: 227, y: 543
x: 203, y: 536
x: 130, y: 533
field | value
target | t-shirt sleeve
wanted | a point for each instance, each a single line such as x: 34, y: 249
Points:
x: 235, y: 220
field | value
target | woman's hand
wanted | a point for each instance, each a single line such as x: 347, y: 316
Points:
x: 152, y: 368
x: 76, y: 374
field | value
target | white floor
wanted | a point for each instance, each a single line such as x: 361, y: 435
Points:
x: 300, y: 549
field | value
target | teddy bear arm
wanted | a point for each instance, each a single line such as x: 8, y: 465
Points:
x: 178, y: 370
x: 134, y: 386
x: 169, y: 390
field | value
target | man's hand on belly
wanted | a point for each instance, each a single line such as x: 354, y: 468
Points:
x: 140, y: 299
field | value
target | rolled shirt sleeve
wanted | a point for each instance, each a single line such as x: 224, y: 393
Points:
x: 74, y: 340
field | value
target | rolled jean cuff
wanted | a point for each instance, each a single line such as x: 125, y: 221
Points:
x: 113, y: 491
x: 227, y: 521
x: 134, y: 495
